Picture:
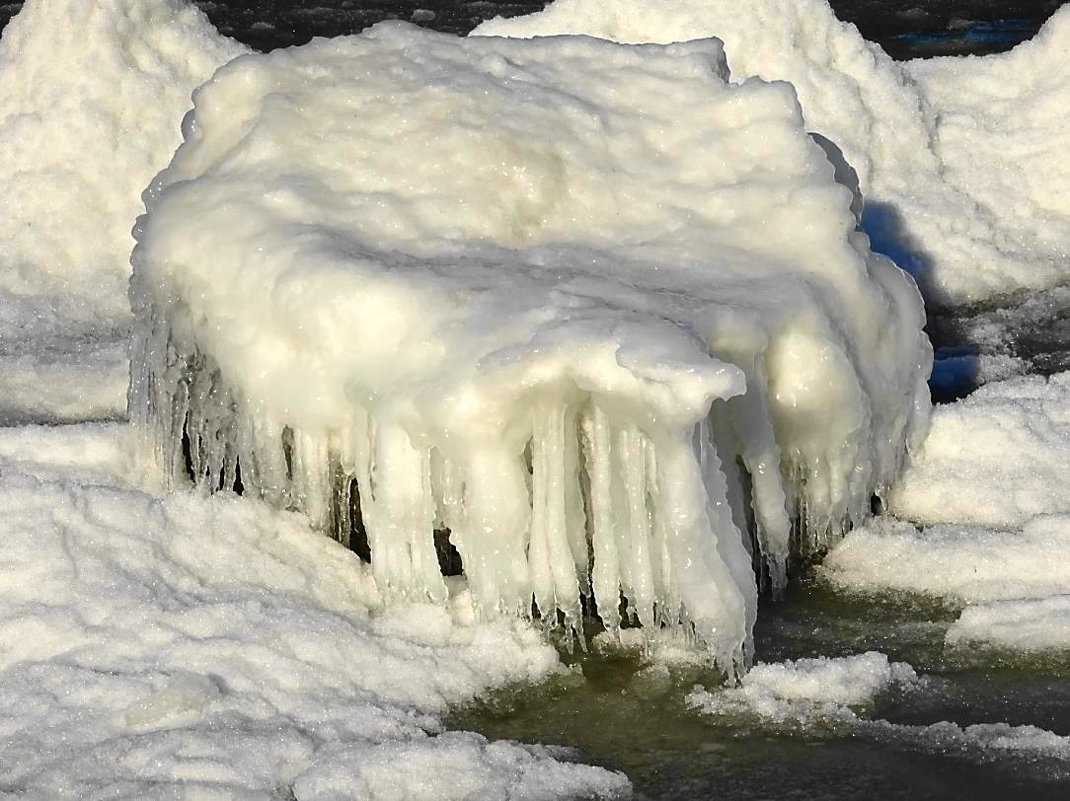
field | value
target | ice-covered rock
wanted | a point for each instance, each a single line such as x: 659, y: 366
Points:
x: 961, y: 160
x: 588, y: 307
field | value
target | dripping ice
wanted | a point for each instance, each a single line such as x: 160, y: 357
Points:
x: 599, y: 315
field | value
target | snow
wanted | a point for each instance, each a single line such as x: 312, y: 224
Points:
x: 996, y: 458
x: 1029, y: 625
x: 663, y: 280
x: 989, y: 519
x: 965, y: 564
x: 91, y: 97
x: 837, y: 696
x: 961, y: 160
x: 211, y: 645
x: 821, y: 688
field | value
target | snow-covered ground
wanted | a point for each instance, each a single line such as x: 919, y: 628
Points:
x: 210, y: 646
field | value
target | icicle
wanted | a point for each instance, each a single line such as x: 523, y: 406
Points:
x: 605, y: 568
x: 490, y: 530
x: 399, y: 517
x: 550, y: 556
x: 631, y: 467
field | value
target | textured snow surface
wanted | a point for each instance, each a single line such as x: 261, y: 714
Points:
x: 212, y: 646
x: 487, y: 278
x: 1032, y: 624
x: 92, y: 95
x: 962, y: 161
x: 805, y: 689
x: 967, y: 564
x: 989, y: 487
x: 996, y: 458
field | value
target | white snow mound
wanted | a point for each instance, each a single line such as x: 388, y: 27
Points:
x: 213, y: 647
x: 92, y: 96
x: 962, y: 160
x: 553, y: 297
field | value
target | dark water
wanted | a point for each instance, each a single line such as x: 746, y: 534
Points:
x: 909, y: 29
x: 619, y: 716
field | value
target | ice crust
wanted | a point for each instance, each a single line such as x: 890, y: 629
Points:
x: 836, y: 696
x: 961, y: 160
x: 210, y: 646
x: 821, y: 688
x: 554, y: 297
x: 91, y: 99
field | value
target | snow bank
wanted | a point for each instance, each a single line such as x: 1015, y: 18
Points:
x: 989, y: 484
x: 557, y: 298
x: 996, y: 458
x: 961, y: 160
x: 966, y: 564
x: 91, y: 100
x: 212, y: 646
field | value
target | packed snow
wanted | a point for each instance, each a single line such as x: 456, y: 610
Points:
x: 91, y: 95
x: 213, y: 646
x: 663, y: 283
x: 996, y: 458
x: 959, y: 159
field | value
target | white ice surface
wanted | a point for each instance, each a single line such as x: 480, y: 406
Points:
x: 92, y: 96
x: 962, y: 161
x: 533, y: 253
x: 212, y: 646
x: 962, y: 563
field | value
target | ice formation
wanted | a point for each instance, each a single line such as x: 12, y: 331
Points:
x: 961, y: 160
x: 91, y: 101
x: 573, y: 302
x: 817, y: 697
x: 187, y: 646
x: 814, y: 689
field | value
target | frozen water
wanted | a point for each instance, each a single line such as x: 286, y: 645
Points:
x: 593, y: 326
x: 961, y: 160
x: 806, y: 689
x: 989, y: 484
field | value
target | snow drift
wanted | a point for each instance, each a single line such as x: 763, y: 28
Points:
x: 587, y: 308
x: 961, y: 160
x: 212, y: 647
x: 91, y: 100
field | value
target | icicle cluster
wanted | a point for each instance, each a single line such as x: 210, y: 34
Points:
x: 520, y: 299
